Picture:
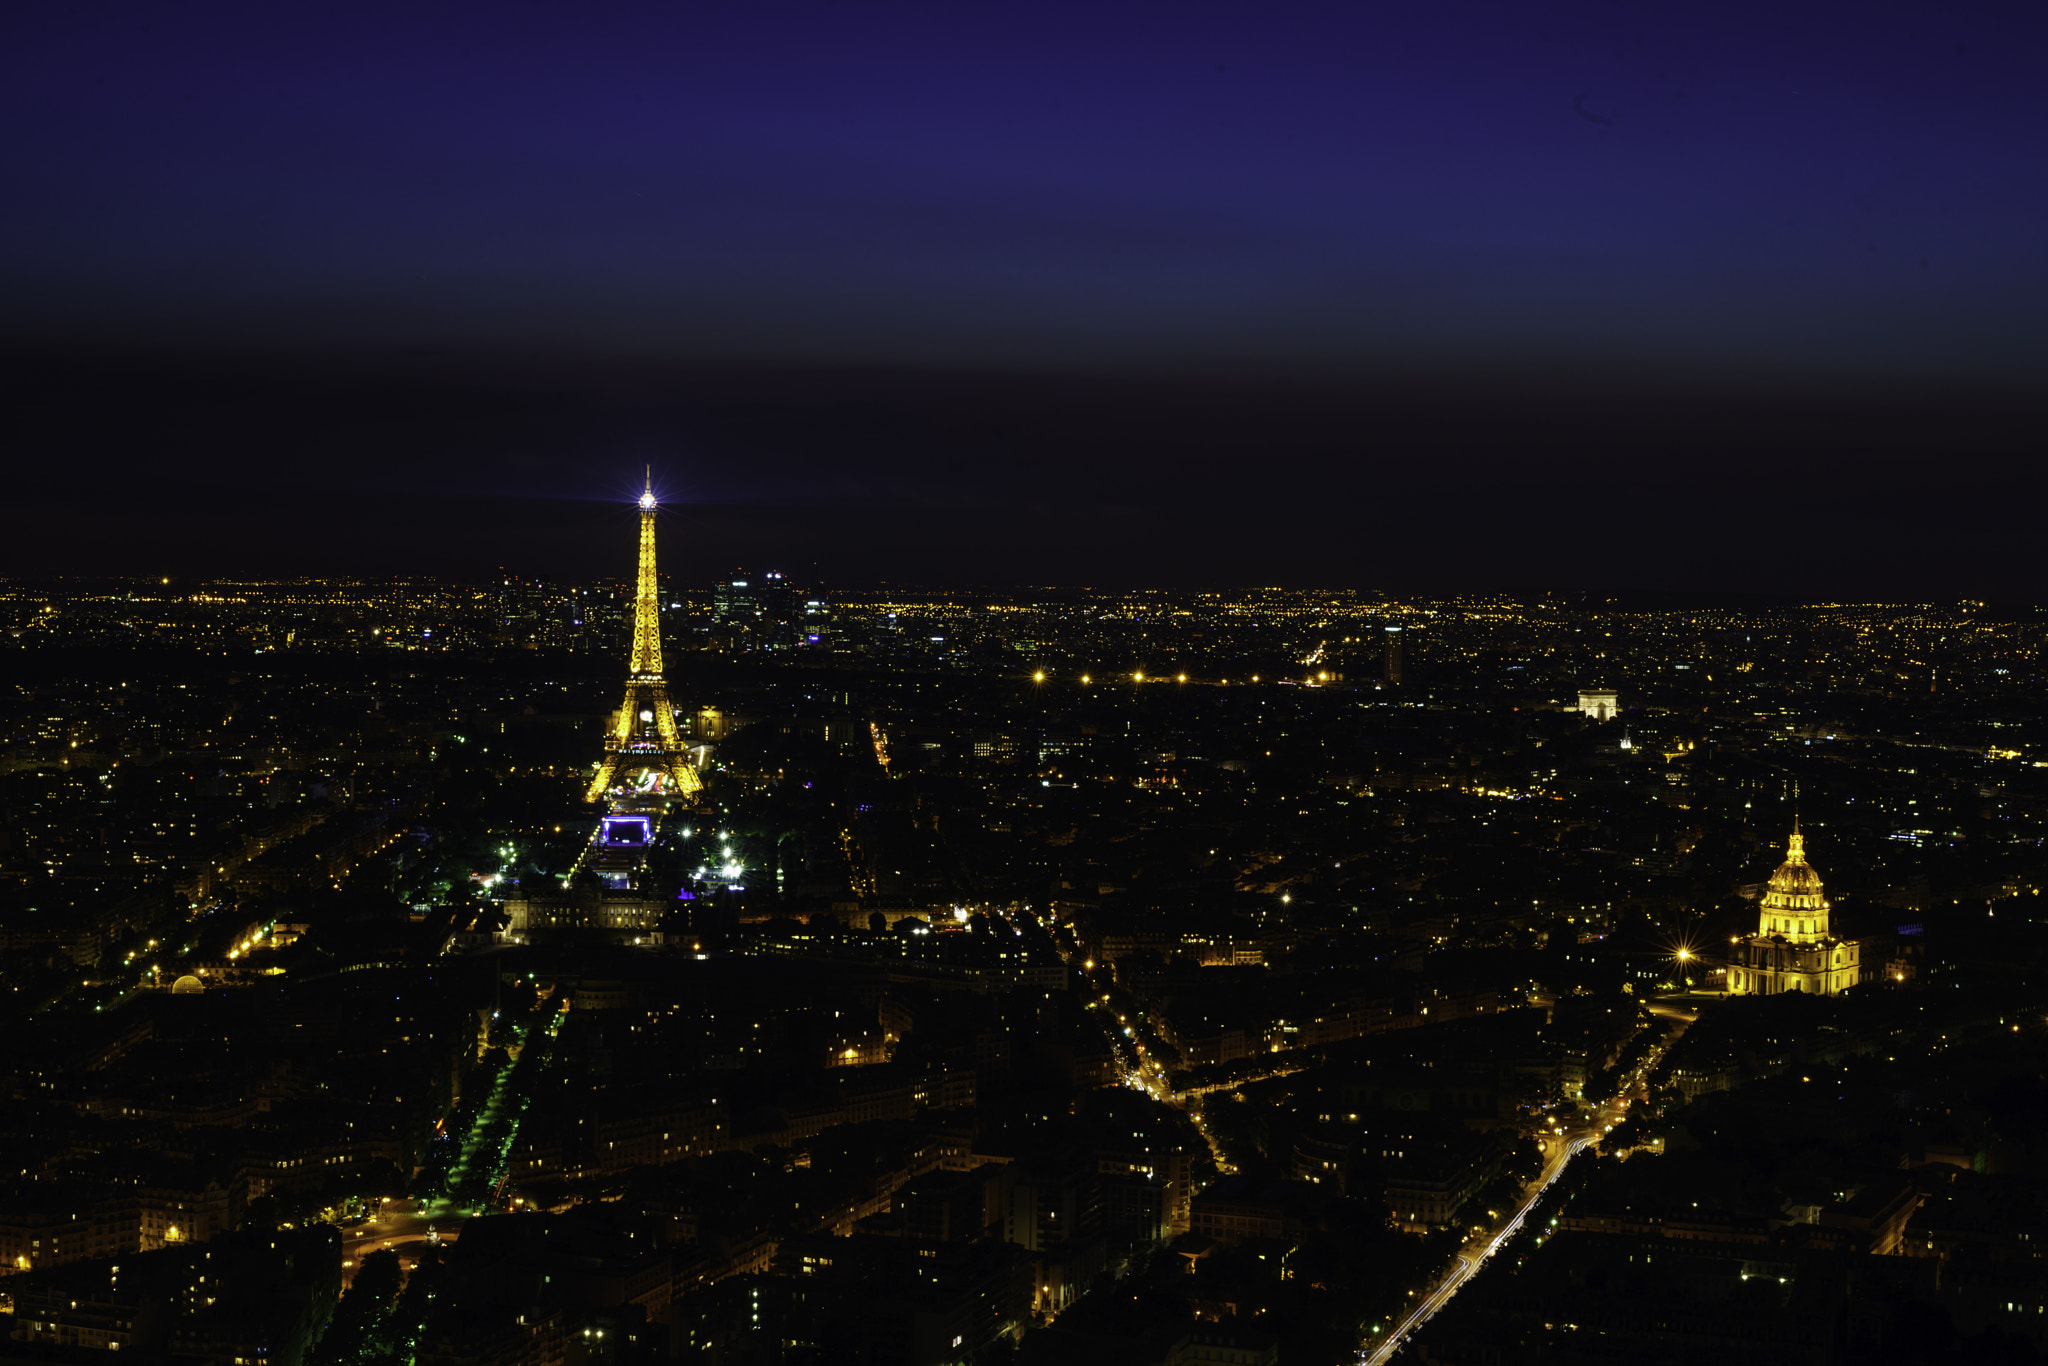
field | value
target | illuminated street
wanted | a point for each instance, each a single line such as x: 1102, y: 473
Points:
x: 404, y: 1225
x: 1560, y: 1147
x: 1471, y: 1261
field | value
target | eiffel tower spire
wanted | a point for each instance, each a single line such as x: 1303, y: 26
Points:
x: 642, y: 737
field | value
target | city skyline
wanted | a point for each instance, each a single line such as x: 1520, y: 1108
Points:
x: 1115, y: 684
x: 945, y: 969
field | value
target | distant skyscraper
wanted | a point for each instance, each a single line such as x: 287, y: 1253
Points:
x: 781, y: 614
x: 735, y: 601
x: 533, y: 614
x: 1397, y: 659
x: 758, y: 612
x: 642, y: 737
x: 817, y: 626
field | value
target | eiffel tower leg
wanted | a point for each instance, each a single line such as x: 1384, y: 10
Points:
x: 607, y: 773
x: 680, y: 771
x: 684, y: 775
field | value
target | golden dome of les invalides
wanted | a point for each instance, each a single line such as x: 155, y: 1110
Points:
x: 1794, y: 890
x: 1793, y: 948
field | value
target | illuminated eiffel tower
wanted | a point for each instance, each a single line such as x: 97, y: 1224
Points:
x: 642, y: 741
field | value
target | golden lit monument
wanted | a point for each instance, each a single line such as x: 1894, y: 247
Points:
x: 641, y: 738
x: 1793, y: 949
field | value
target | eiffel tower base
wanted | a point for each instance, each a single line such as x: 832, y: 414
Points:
x: 643, y: 737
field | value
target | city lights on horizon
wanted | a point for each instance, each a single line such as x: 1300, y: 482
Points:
x: 893, y: 805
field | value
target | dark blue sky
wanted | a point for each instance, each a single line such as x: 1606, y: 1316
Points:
x: 1371, y: 219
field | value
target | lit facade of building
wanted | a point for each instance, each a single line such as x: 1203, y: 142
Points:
x: 630, y: 915
x: 1794, y: 948
x: 1599, y: 704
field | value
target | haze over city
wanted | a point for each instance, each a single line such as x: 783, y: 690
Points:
x: 1459, y: 296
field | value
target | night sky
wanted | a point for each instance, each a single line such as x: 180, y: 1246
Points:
x: 1726, y: 299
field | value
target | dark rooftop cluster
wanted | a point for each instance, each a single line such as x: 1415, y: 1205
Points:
x: 1056, y: 975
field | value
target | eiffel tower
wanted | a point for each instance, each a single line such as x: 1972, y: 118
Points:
x: 642, y: 737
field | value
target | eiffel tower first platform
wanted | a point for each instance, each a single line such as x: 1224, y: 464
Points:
x: 644, y: 756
